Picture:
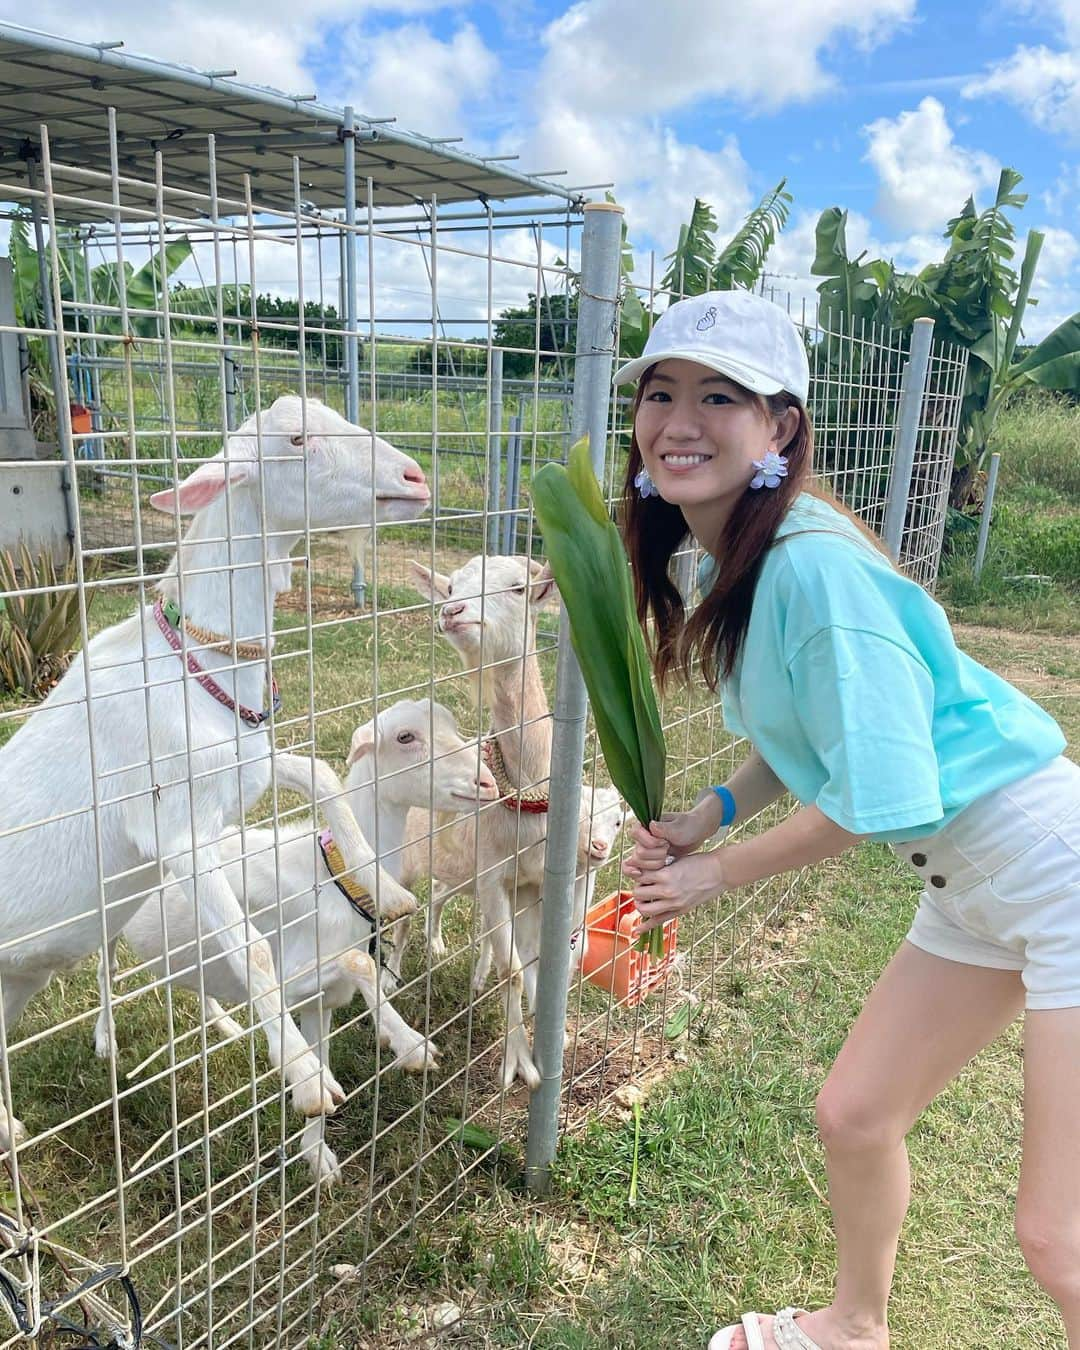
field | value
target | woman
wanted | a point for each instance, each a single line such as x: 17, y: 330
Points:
x: 845, y: 678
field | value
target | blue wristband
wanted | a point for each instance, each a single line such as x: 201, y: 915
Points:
x: 729, y: 805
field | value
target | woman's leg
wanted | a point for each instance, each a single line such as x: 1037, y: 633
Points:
x: 924, y: 1019
x: 1048, y: 1202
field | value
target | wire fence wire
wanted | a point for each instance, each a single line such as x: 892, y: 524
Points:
x: 166, y: 1190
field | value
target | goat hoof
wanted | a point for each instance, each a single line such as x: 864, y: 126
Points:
x: 104, y: 1044
x: 422, y: 1056
x: 519, y: 1064
x: 318, y: 1095
x: 437, y: 947
x: 324, y: 1166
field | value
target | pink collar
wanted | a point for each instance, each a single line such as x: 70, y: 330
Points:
x: 211, y: 686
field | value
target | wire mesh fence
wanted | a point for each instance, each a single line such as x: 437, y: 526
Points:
x: 278, y: 1072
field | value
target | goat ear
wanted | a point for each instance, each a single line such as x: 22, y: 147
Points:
x: 543, y: 589
x: 432, y: 585
x: 362, y: 743
x: 203, y: 486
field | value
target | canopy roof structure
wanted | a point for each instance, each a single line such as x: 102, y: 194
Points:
x: 70, y: 87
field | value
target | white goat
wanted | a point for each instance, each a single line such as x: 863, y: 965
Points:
x: 320, y: 942
x: 489, y: 609
x: 128, y: 774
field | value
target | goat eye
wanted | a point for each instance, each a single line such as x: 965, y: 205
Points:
x: 296, y: 440
x: 519, y: 590
x: 405, y: 738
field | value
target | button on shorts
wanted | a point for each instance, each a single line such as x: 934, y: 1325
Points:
x: 1003, y: 885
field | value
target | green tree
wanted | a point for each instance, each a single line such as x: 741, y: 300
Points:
x: 555, y: 333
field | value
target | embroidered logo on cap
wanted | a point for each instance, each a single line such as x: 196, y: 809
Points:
x: 707, y: 320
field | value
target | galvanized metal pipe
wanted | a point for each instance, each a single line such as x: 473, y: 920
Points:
x: 597, y: 305
x: 352, y: 348
x: 907, y: 435
x: 494, y: 451
x: 987, y: 509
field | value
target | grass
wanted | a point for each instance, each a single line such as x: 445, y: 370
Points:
x: 1031, y: 580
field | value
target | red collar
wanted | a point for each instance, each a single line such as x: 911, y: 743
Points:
x: 211, y: 686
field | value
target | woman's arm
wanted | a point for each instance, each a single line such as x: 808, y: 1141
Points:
x: 663, y: 892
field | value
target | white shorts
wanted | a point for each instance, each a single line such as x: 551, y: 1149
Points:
x: 1003, y: 885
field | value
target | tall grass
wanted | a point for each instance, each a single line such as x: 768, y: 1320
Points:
x: 1031, y: 579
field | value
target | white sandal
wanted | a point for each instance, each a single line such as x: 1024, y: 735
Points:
x: 786, y: 1332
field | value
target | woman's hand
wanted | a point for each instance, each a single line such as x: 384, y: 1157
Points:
x: 662, y: 893
x: 677, y: 832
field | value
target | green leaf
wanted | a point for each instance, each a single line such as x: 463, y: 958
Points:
x: 1055, y: 362
x: 470, y: 1135
x: 741, y: 260
x: 587, y: 558
x: 678, y: 1022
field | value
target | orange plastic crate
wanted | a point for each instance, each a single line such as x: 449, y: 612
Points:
x: 610, y: 961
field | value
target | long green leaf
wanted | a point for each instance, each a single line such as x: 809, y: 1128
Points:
x: 590, y: 567
x: 1055, y: 362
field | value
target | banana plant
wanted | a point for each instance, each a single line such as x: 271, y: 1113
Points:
x: 696, y: 265
x: 79, y: 282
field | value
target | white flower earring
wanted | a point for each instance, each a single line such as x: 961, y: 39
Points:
x: 644, y: 484
x: 770, y: 470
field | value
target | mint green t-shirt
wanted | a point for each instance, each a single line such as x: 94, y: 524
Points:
x: 850, y: 685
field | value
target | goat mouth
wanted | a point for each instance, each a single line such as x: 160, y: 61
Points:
x: 474, y: 797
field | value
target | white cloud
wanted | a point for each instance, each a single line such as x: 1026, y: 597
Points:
x: 924, y: 175
x: 666, y: 56
x: 1044, y: 84
x: 407, y: 71
x: 656, y: 175
x: 265, y: 41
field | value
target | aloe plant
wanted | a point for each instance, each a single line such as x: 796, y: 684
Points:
x: 593, y: 575
x: 37, y: 629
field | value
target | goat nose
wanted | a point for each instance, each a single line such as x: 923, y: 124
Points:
x: 485, y: 780
x: 415, y: 474
x: 452, y: 611
x: 599, y: 846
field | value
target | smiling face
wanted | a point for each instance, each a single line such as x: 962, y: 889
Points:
x: 699, y: 434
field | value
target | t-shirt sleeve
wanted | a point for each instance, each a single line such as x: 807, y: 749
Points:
x: 866, y: 705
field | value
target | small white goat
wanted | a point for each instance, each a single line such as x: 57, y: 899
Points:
x: 488, y: 610
x: 320, y: 942
x: 129, y: 772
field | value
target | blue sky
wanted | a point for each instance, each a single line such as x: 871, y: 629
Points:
x: 894, y: 109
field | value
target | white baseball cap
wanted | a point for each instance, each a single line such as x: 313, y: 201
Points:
x: 743, y: 336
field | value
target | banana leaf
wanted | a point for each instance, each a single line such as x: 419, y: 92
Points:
x: 590, y: 567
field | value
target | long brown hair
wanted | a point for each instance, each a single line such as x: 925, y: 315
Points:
x: 655, y: 529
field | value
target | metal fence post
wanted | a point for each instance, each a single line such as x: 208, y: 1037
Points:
x: 598, y: 300
x: 513, y: 485
x: 494, y: 465
x: 988, y: 506
x: 907, y: 435
x: 352, y: 348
